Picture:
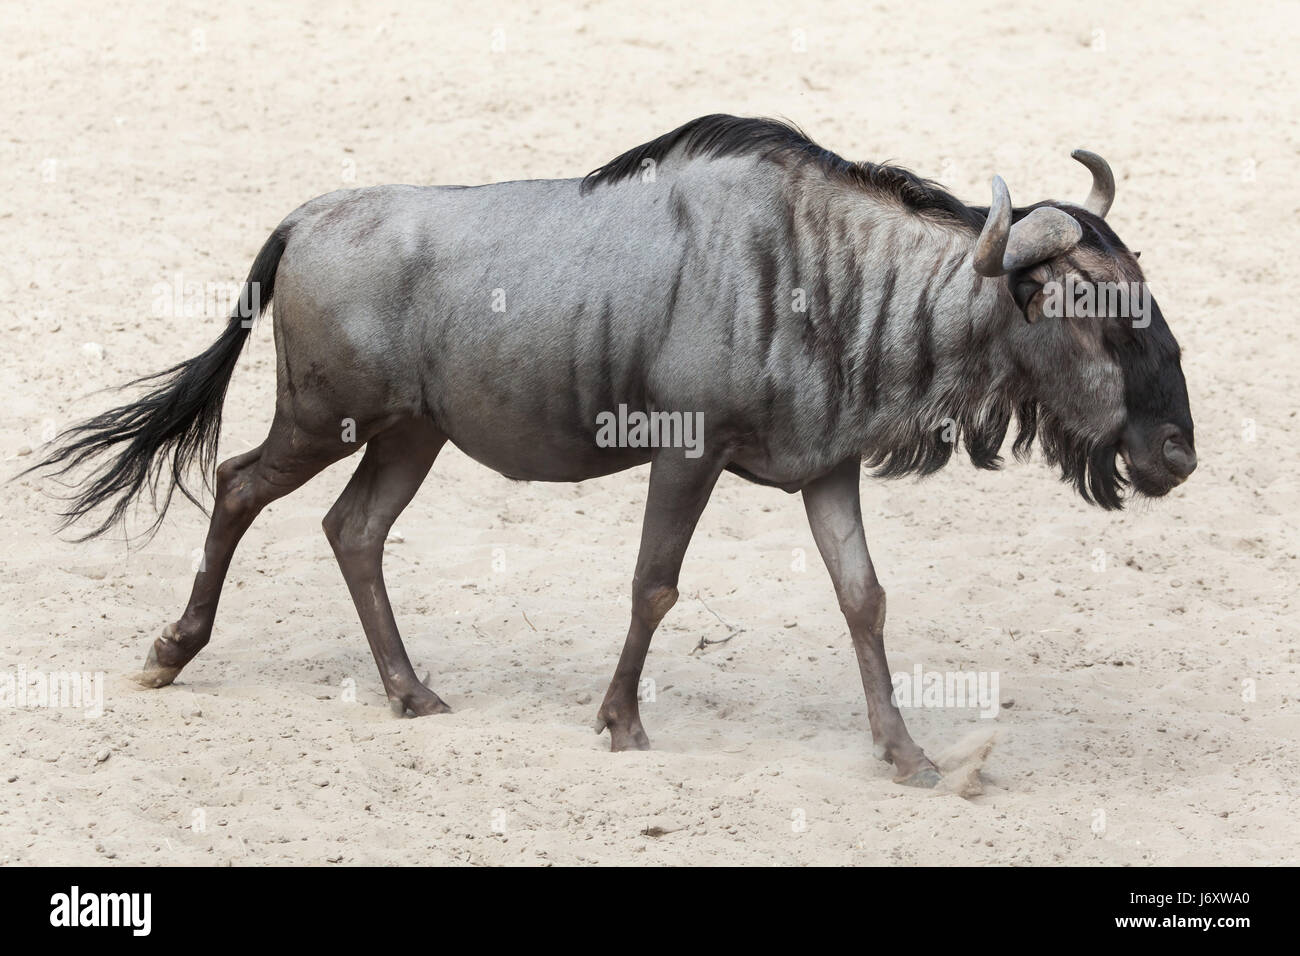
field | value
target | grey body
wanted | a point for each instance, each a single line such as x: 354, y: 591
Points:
x: 817, y: 314
x: 677, y: 295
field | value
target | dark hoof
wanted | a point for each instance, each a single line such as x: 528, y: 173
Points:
x: 154, y: 674
x: 628, y: 740
x: 927, y: 778
x: 630, y: 736
x: 420, y: 703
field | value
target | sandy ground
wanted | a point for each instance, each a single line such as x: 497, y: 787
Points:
x: 1147, y: 660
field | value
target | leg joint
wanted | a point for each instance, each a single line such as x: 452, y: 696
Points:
x: 351, y: 537
x: 652, y: 602
x: 234, y: 495
x: 864, y: 607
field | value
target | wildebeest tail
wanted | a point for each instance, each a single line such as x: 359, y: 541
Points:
x: 152, y: 443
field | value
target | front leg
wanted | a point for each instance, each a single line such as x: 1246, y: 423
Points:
x: 679, y: 489
x: 835, y: 515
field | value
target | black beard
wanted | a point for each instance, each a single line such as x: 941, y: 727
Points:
x: 1091, y: 466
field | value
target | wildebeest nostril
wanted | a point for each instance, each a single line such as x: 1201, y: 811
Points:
x: 1180, y: 459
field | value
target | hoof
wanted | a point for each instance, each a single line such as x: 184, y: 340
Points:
x: 628, y: 741
x: 420, y: 703
x: 927, y: 778
x: 628, y: 738
x: 631, y: 736
x: 154, y: 674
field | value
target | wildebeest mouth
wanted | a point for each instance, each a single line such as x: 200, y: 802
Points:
x: 1156, y: 474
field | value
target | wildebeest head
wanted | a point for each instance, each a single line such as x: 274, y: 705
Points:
x: 1099, y: 369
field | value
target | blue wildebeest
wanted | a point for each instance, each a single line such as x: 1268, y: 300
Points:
x: 820, y: 314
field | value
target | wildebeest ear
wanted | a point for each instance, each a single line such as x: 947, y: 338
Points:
x: 1023, y: 290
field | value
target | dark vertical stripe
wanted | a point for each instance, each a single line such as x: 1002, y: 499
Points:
x: 765, y: 261
x: 674, y: 290
x: 950, y: 272
x: 731, y: 310
x: 924, y: 358
x: 876, y: 341
x: 605, y: 386
x: 848, y: 318
x: 680, y: 211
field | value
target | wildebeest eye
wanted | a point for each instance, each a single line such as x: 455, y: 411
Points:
x: 1022, y: 290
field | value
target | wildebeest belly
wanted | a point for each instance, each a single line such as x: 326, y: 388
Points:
x: 529, y: 337
x: 532, y: 407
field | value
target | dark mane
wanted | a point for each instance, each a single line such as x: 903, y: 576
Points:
x: 721, y: 135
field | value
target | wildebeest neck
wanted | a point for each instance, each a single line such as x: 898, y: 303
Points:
x: 906, y: 335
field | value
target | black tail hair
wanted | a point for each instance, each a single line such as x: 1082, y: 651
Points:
x: 154, y: 442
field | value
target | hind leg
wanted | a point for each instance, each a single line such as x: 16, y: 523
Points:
x: 395, y: 464
x: 246, y: 484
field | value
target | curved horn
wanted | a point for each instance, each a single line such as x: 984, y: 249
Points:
x: 992, y: 242
x: 1044, y: 233
x: 1103, y: 183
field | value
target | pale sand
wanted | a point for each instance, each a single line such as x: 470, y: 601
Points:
x: 1127, y: 683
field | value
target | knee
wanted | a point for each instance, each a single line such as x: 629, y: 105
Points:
x: 234, y: 497
x: 226, y: 472
x: 333, y: 528
x: 864, y: 607
x: 336, y: 533
x: 351, y: 538
x: 652, y: 602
